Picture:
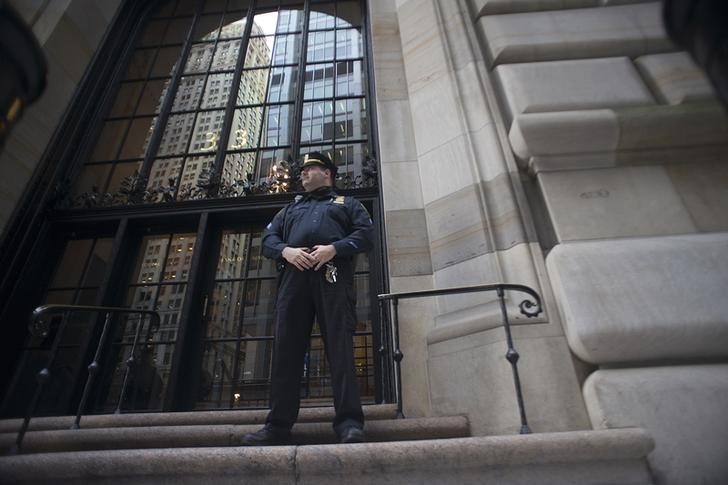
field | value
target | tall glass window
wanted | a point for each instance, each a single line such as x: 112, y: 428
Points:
x: 211, y: 105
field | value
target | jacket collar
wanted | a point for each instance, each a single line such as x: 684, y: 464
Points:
x: 322, y: 193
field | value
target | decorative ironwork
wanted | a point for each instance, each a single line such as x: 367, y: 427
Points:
x: 285, y: 176
x: 528, y: 307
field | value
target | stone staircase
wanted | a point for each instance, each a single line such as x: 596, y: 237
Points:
x: 196, y: 447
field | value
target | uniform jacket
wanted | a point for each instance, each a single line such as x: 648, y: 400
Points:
x: 320, y: 217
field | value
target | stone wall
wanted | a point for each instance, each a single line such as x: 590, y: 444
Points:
x: 69, y: 31
x: 624, y: 144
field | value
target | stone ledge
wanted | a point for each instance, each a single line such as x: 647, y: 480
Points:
x: 682, y: 407
x: 585, y: 457
x: 226, y: 435
x: 627, y: 30
x: 255, y: 416
x: 643, y: 299
x: 605, y: 138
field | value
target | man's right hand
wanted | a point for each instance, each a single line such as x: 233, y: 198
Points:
x: 299, y: 258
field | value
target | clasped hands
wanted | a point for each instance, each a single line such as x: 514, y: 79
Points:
x: 305, y: 258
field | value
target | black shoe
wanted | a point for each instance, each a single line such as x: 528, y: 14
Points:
x: 351, y: 435
x: 267, y: 436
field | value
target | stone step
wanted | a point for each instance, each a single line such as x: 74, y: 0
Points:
x: 218, y: 435
x: 583, y: 457
x: 256, y: 416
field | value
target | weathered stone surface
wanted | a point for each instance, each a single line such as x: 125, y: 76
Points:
x: 407, y: 243
x: 491, y: 7
x: 682, y: 407
x: 602, y: 138
x: 614, y: 202
x: 629, y: 30
x: 646, y: 299
x: 674, y: 78
x: 539, y: 87
x: 586, y: 457
x: 703, y: 188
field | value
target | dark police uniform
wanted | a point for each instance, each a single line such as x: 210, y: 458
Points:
x: 319, y: 217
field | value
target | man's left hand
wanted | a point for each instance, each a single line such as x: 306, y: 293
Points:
x: 323, y: 254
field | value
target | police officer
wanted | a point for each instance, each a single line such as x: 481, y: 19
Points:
x: 315, y: 237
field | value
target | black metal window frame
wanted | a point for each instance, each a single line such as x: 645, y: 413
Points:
x: 125, y: 222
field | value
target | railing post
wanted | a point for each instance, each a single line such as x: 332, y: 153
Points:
x: 129, y: 364
x: 93, y: 369
x: 512, y: 357
x: 398, y: 356
x: 382, y: 351
x: 43, y: 376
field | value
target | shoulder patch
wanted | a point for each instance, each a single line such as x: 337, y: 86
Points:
x: 339, y: 199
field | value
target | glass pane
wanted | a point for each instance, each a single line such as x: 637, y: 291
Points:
x: 351, y: 119
x: 362, y: 262
x: 269, y: 159
x: 147, y: 385
x: 126, y: 99
x: 137, y: 139
x: 260, y: 300
x: 252, y: 87
x: 93, y: 178
x: 217, y: 90
x: 99, y: 262
x: 188, y: 93
x: 152, y: 97
x: 196, y: 173
x: 224, y: 309
x: 322, y: 16
x: 245, y: 128
x: 259, y: 265
x: 237, y: 171
x: 320, y: 46
x: 140, y: 298
x: 238, y: 4
x: 123, y: 177
x: 80, y: 324
x: 350, y: 80
x: 348, y: 44
x: 140, y: 63
x: 319, y: 81
x: 259, y: 51
x: 214, y: 5
x: 176, y: 134
x: 289, y: 21
x: 349, y: 159
x: 149, y: 262
x: 348, y: 13
x: 207, y: 131
x: 109, y: 140
x: 231, y: 259
x: 216, y: 376
x: 278, y: 126
x: 233, y: 25
x: 177, y: 31
x: 199, y: 58
x: 69, y: 269
x: 165, y: 8
x: 153, y: 33
x: 177, y: 266
x: 226, y: 55
x: 363, y: 307
x: 165, y: 62
x: 185, y: 7
x: 286, y: 49
x: 169, y: 303
x: 163, y: 178
x: 254, y: 366
x: 317, y: 122
x: 207, y: 27
x: 283, y: 84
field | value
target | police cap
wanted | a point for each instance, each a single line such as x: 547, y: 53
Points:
x: 318, y: 158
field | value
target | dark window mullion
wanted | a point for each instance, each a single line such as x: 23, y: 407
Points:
x: 298, y: 106
x: 219, y: 162
x: 156, y: 138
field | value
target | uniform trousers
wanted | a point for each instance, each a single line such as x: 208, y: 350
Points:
x: 303, y: 295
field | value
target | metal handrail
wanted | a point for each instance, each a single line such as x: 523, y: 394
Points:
x: 528, y: 308
x: 39, y: 327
